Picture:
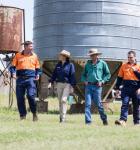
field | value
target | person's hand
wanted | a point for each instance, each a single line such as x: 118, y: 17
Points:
x: 37, y: 77
x: 138, y: 92
x: 100, y: 84
x: 118, y: 92
x: 71, y: 90
x: 7, y: 74
x: 134, y: 69
x: 86, y: 83
x: 49, y: 85
x: 14, y: 76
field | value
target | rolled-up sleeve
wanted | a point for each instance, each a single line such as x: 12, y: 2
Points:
x: 106, y: 73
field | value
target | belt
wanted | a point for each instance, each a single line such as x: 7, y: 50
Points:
x: 24, y: 77
x: 130, y: 83
x: 93, y: 83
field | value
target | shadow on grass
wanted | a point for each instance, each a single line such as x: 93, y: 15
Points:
x: 54, y: 112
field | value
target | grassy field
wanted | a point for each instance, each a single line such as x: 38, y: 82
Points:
x: 49, y: 134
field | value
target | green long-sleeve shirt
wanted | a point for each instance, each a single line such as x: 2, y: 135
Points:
x: 98, y: 72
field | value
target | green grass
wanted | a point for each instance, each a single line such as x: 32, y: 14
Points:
x: 49, y: 134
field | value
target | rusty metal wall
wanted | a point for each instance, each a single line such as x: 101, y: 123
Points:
x: 11, y: 29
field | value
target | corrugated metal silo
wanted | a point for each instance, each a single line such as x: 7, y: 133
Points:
x: 112, y: 26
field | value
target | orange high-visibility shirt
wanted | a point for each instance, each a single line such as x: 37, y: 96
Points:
x: 126, y: 72
x: 22, y: 61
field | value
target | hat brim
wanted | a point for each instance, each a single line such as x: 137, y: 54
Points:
x: 94, y: 54
x: 65, y: 55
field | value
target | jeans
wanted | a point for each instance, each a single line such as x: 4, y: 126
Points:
x: 25, y: 86
x: 126, y: 94
x: 93, y: 93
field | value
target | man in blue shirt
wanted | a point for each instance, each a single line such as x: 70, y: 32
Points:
x: 95, y: 74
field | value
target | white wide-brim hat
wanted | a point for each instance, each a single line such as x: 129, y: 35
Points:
x: 94, y: 51
x: 65, y: 53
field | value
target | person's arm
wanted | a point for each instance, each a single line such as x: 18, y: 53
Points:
x: 84, y: 74
x: 37, y: 69
x: 137, y: 74
x: 106, y: 73
x: 72, y: 75
x: 54, y: 75
x: 12, y: 68
x: 119, y: 78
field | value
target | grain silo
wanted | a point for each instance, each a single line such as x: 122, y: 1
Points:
x: 112, y: 26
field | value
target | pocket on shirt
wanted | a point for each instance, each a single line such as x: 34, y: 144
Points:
x: 20, y: 61
x: 99, y: 68
x: 90, y: 71
x: 32, y: 61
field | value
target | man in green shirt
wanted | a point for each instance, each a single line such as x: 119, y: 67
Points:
x: 95, y: 74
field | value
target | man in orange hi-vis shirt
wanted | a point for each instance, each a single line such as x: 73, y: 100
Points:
x: 129, y: 81
x: 26, y: 69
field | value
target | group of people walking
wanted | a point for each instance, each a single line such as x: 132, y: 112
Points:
x: 26, y: 69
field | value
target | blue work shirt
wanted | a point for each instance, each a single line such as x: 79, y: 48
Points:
x: 64, y: 73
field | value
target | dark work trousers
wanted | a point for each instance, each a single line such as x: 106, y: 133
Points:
x: 128, y: 93
x: 25, y: 86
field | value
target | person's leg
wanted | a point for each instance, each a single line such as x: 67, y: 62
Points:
x: 136, y: 110
x: 60, y: 88
x: 31, y: 94
x: 125, y: 97
x: 20, y: 94
x: 88, y: 97
x: 97, y: 101
x: 66, y: 92
x: 125, y: 104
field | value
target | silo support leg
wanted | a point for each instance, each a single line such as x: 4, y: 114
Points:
x: 109, y: 91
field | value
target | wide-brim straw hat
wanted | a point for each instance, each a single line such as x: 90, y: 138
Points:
x: 94, y: 51
x: 65, y: 53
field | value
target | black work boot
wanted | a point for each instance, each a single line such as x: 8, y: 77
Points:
x: 105, y: 122
x: 35, y: 117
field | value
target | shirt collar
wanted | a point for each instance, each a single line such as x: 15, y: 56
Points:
x: 96, y: 62
x: 134, y: 63
x: 66, y: 62
x: 22, y: 53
